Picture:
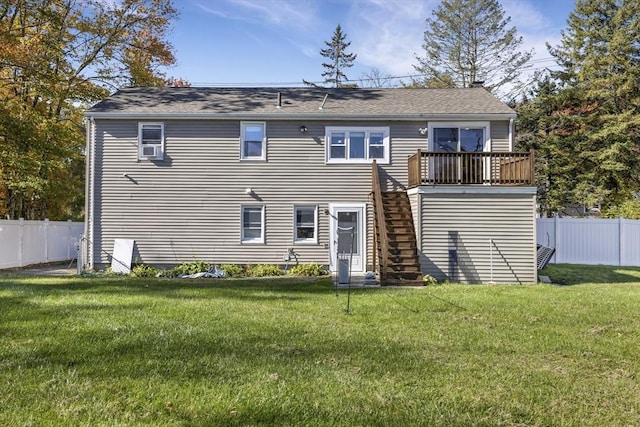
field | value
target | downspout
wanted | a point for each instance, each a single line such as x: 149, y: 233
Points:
x: 511, y: 132
x: 88, y: 199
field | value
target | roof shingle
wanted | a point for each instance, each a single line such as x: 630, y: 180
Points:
x: 300, y: 102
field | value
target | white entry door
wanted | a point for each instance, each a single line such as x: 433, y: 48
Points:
x: 347, y: 238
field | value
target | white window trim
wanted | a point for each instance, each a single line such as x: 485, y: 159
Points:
x: 259, y: 240
x: 367, y: 130
x: 473, y: 125
x: 298, y: 241
x: 263, y: 157
x: 158, y: 156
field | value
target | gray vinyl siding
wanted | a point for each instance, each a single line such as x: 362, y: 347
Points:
x: 500, y: 136
x: 187, y: 206
x: 507, y: 219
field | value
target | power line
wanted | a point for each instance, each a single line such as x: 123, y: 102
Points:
x: 299, y: 83
x: 360, y: 80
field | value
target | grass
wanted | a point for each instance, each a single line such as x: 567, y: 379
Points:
x: 121, y: 351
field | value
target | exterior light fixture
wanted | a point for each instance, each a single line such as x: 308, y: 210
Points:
x: 248, y: 190
x: 422, y: 131
x: 303, y: 129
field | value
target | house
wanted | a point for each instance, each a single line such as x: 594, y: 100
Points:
x: 424, y: 181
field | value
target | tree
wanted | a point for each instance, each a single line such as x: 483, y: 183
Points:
x: 541, y: 125
x: 469, y: 41
x: 440, y: 81
x: 629, y: 209
x: 57, y: 56
x: 374, y: 78
x: 338, y: 60
x: 593, y: 146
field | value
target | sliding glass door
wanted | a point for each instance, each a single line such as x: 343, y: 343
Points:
x: 454, y: 161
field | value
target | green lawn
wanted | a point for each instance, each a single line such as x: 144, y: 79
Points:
x: 120, y: 351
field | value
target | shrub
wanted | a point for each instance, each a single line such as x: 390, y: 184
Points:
x: 232, y: 270
x: 629, y: 209
x: 429, y: 280
x: 189, y: 268
x: 262, y: 270
x: 307, y: 270
x: 144, y: 270
x: 109, y: 272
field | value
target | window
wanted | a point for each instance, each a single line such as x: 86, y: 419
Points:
x: 305, y: 228
x: 253, y: 141
x: 459, y: 137
x: 252, y: 224
x: 469, y: 139
x: 376, y: 145
x: 150, y: 141
x: 357, y: 144
x: 338, y: 146
x: 464, y: 140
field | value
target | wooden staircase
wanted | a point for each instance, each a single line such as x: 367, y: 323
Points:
x: 396, y: 246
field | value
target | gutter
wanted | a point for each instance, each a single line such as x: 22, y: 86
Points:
x: 301, y: 116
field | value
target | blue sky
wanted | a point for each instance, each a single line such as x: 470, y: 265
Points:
x: 277, y: 42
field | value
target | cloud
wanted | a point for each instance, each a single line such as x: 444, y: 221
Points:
x: 387, y: 34
x: 293, y: 15
x: 525, y: 16
x: 537, y: 28
x: 212, y: 11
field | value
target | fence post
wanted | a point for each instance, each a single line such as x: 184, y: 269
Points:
x: 69, y: 239
x: 556, y: 242
x: 620, y: 236
x: 46, y: 240
x: 20, y: 240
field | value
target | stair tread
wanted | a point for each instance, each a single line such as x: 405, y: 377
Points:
x: 403, y: 263
x: 409, y: 269
x: 396, y: 276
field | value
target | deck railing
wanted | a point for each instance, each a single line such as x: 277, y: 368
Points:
x: 436, y: 168
x: 381, y: 246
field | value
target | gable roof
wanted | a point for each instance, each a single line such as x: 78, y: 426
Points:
x: 300, y: 103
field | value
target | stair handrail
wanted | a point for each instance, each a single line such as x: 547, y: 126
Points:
x: 414, y: 171
x: 381, y: 224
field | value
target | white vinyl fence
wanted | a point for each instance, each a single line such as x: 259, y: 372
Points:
x: 591, y: 240
x: 34, y: 242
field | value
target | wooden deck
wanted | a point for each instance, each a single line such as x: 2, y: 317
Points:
x: 446, y: 168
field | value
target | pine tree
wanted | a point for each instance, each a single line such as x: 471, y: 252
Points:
x: 467, y: 41
x: 600, y: 59
x: 555, y: 138
x: 338, y: 60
